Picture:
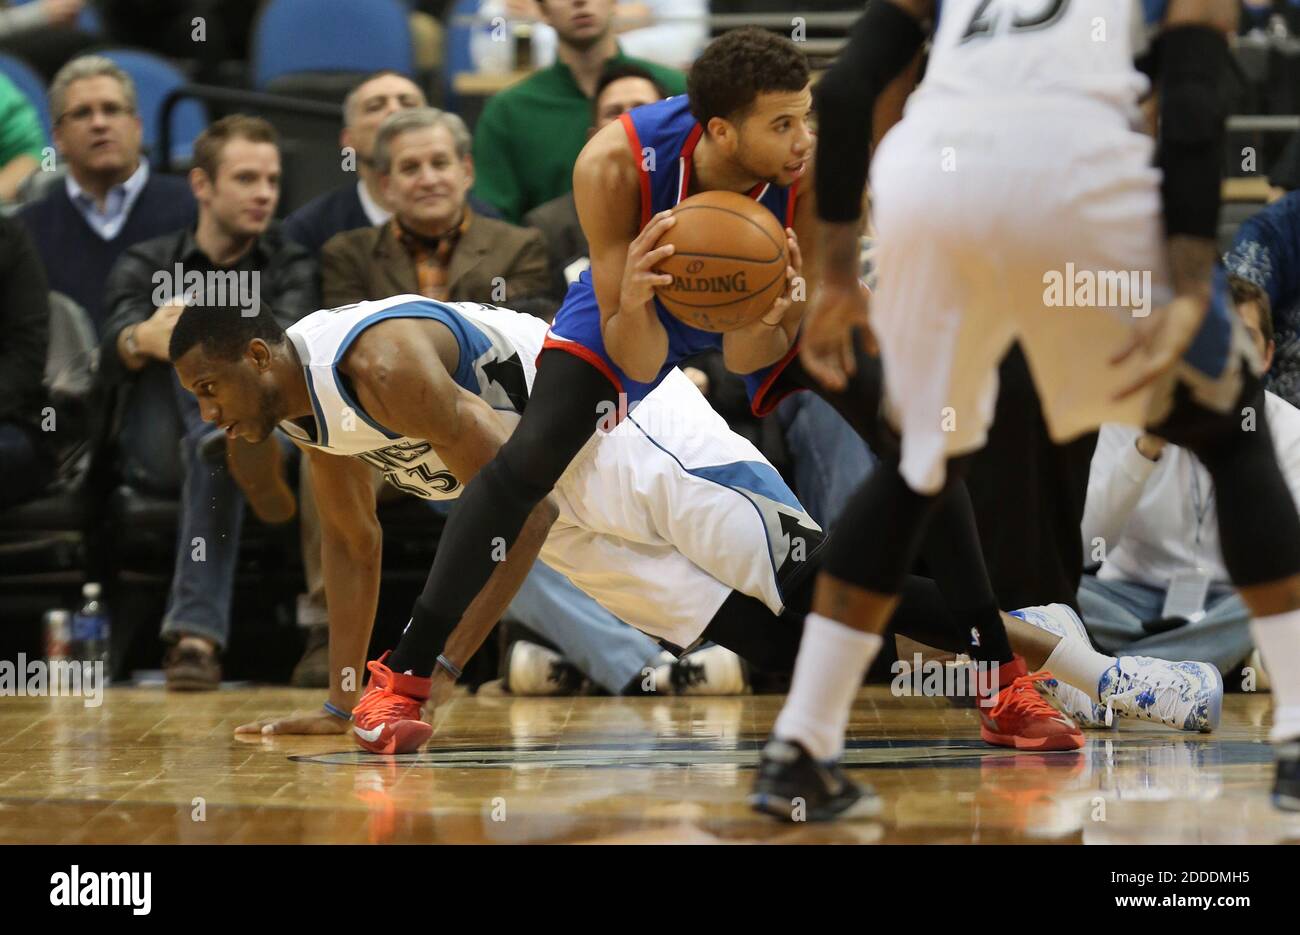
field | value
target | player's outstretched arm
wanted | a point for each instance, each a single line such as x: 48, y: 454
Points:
x: 402, y: 371
x: 858, y: 99
x: 351, y: 543
x: 607, y: 192
x: 1192, y: 51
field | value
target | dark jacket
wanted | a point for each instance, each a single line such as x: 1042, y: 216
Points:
x: 565, y: 241
x: 287, y: 283
x: 24, y: 326
x: 78, y: 261
x: 371, y: 264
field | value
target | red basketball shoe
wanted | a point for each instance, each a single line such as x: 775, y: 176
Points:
x: 1018, y: 716
x: 387, y: 718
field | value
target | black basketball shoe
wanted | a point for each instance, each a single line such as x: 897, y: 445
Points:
x: 1286, y: 787
x: 793, y: 786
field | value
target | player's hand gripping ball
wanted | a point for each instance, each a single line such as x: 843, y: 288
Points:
x: 729, y: 262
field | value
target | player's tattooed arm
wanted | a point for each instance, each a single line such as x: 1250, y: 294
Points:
x: 351, y: 550
x: 607, y: 193
x: 402, y: 372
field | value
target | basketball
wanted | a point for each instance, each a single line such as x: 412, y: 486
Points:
x: 729, y: 265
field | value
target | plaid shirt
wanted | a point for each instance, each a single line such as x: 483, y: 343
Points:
x: 431, y: 256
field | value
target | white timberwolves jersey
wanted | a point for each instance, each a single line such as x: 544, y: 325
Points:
x: 998, y: 48
x: 660, y: 518
x: 498, y: 357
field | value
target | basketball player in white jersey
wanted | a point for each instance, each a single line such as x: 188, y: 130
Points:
x: 667, y: 518
x: 671, y: 521
x: 1016, y: 186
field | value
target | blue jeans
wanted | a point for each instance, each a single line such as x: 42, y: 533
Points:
x: 1114, y: 612
x: 161, y: 431
x: 830, y: 459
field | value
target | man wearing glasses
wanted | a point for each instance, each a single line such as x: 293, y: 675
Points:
x: 110, y: 200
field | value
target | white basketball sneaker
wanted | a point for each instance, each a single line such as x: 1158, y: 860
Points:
x: 1181, y: 695
x: 714, y: 670
x: 531, y: 669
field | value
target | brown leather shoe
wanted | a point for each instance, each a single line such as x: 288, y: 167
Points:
x: 313, y: 669
x: 192, y: 667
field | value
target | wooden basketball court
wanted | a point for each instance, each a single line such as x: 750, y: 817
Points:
x: 153, y: 767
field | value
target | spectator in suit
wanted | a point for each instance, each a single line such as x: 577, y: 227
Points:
x: 622, y: 86
x: 434, y: 245
x: 110, y: 200
x: 530, y: 134
x: 24, y: 336
x: 361, y: 204
x: 367, y: 105
x: 233, y: 246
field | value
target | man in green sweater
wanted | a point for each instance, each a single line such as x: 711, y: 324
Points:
x: 21, y: 139
x: 529, y: 136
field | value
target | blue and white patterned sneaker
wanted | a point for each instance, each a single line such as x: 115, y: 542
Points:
x: 1181, y: 695
x: 1074, y: 703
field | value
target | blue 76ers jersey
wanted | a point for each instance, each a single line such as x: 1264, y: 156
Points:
x: 662, y: 137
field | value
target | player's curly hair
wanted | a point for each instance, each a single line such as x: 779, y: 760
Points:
x: 223, y: 331
x: 737, y: 67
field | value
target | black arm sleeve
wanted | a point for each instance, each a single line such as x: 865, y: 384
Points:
x: 1193, y: 61
x: 881, y: 44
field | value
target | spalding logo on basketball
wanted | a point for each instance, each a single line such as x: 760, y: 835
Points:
x: 729, y: 265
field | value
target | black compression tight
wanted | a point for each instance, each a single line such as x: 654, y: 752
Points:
x: 770, y: 642
x: 950, y: 546
x: 569, y: 397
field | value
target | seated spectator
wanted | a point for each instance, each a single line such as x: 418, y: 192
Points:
x: 529, y: 135
x: 1162, y: 589
x: 110, y: 200
x: 621, y: 87
x: 1266, y: 252
x: 21, y: 139
x: 434, y: 245
x: 24, y: 336
x: 360, y: 205
x: 236, y: 181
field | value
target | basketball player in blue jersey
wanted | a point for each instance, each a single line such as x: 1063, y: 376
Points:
x: 742, y: 127
x: 1034, y: 104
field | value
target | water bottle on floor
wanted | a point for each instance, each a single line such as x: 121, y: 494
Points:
x: 90, y: 627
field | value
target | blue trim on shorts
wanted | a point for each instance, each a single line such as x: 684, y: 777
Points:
x: 743, y: 475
